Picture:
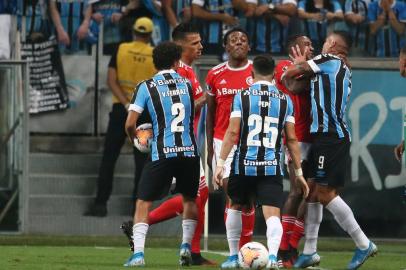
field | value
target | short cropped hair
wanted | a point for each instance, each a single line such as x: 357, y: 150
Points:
x: 345, y: 37
x: 183, y: 29
x: 292, y: 41
x: 166, y: 54
x: 263, y: 64
x: 403, y: 50
x: 229, y: 32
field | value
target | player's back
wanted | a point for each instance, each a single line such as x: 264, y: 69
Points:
x: 264, y: 111
x: 330, y: 93
x: 172, y: 111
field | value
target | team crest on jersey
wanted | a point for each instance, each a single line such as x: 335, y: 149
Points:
x: 249, y: 80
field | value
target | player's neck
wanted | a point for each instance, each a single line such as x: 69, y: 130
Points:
x: 263, y: 78
x: 186, y: 61
x: 237, y: 63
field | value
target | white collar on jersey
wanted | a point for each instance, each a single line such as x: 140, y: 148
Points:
x: 183, y: 63
x: 264, y: 82
x: 240, y: 68
x: 166, y: 71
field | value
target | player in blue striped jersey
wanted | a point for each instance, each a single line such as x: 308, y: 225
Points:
x: 169, y: 100
x: 330, y: 79
x: 259, y: 115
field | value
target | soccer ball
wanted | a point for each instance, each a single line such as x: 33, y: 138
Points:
x: 143, y: 137
x: 253, y: 255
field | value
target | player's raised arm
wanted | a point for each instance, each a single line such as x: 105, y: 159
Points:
x: 298, y: 74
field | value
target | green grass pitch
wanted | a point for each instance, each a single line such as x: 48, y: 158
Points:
x: 88, y: 253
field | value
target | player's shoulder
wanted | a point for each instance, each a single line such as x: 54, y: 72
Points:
x: 147, y: 84
x: 217, y: 69
x: 281, y: 67
x: 324, y: 57
x: 185, y: 71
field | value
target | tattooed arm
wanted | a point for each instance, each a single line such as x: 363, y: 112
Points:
x: 297, y: 77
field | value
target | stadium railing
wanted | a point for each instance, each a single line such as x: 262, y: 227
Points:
x: 14, y: 143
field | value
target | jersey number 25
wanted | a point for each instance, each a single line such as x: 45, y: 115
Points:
x: 255, y: 120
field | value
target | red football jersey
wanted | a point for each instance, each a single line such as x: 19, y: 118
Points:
x: 223, y: 82
x: 301, y: 104
x: 188, y: 73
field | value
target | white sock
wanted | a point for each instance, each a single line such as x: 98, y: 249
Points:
x: 139, y: 233
x: 274, y: 233
x: 188, y: 226
x: 233, y: 227
x: 345, y: 218
x: 312, y: 224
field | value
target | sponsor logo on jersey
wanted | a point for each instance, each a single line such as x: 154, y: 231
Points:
x: 176, y: 149
x: 228, y: 91
x: 172, y: 81
x: 248, y: 162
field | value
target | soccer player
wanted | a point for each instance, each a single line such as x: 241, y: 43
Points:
x: 330, y: 92
x: 187, y: 36
x: 293, y: 209
x: 169, y: 99
x: 259, y: 116
x: 223, y: 82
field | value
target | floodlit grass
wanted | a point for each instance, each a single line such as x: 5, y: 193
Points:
x: 32, y: 253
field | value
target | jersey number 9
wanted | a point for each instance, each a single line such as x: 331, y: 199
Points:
x: 255, y: 120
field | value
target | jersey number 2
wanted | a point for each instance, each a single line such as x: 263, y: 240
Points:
x: 256, y: 120
x: 178, y: 110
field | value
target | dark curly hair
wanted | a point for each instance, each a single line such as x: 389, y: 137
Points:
x: 166, y: 54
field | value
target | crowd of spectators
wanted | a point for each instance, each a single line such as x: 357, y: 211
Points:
x: 377, y: 26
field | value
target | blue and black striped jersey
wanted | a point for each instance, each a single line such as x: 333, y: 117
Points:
x: 169, y: 100
x: 263, y: 110
x: 330, y: 93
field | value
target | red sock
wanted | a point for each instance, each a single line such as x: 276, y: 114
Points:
x: 201, y: 203
x: 297, y: 234
x: 248, y: 223
x: 288, y: 222
x: 167, y: 210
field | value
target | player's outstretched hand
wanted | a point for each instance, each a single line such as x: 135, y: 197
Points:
x: 301, y: 182
x: 399, y: 149
x: 218, y: 177
x: 297, y: 56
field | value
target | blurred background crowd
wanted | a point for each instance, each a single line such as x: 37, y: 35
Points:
x: 377, y: 26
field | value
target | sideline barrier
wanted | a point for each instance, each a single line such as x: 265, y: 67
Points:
x: 14, y: 143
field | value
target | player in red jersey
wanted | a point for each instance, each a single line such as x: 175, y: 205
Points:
x: 188, y: 37
x: 223, y: 82
x: 294, y: 209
